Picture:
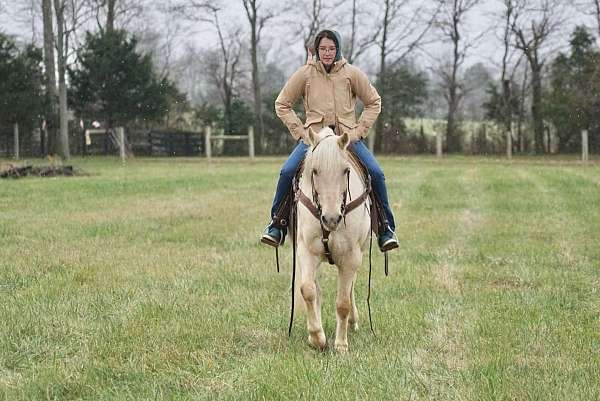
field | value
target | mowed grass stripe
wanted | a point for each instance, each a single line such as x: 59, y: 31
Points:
x: 443, y: 354
x: 520, y: 285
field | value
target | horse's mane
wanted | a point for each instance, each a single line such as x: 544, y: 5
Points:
x: 327, y: 155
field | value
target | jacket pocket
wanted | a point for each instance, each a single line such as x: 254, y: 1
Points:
x: 347, y: 122
x: 348, y: 126
x: 313, y: 118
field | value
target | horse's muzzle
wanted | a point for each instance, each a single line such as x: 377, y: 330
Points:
x: 331, y: 221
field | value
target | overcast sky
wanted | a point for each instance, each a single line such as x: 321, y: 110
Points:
x: 15, y: 21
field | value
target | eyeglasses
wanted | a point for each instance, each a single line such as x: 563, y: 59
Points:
x: 327, y: 49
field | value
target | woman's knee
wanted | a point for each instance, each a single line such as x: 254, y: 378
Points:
x: 376, y: 173
x: 288, y: 171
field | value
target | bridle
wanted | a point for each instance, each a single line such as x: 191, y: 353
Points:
x: 314, y: 206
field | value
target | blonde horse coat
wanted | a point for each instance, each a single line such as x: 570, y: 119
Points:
x: 327, y: 163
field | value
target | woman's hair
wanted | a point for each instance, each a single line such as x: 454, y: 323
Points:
x: 324, y: 34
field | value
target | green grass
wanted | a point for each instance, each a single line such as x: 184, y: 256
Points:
x: 147, y: 281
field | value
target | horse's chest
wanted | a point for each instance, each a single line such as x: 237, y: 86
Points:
x: 339, y: 244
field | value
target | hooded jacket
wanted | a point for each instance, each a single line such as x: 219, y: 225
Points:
x: 329, y: 99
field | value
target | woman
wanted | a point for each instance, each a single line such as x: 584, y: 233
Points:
x: 329, y: 87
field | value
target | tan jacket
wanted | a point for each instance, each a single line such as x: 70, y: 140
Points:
x: 329, y: 99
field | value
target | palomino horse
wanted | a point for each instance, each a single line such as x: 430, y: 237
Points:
x: 330, y: 229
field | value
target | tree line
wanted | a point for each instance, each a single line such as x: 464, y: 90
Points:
x: 103, y: 61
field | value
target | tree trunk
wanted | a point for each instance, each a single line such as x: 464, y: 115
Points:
x: 51, y: 92
x: 521, y: 117
x: 506, y: 93
x: 536, y: 108
x: 350, y: 56
x: 110, y: 16
x: 375, y: 137
x: 258, y: 119
x: 63, y: 142
x: 597, y: 5
x: 452, y: 137
x: 506, y: 106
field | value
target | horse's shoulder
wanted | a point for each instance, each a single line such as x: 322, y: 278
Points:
x: 358, y: 166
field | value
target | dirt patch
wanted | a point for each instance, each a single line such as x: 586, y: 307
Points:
x: 16, y: 171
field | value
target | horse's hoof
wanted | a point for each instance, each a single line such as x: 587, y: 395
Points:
x: 317, y: 340
x: 341, y: 348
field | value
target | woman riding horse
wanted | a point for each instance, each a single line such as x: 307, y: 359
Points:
x: 329, y: 86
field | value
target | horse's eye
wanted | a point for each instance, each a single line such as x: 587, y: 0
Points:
x: 315, y: 172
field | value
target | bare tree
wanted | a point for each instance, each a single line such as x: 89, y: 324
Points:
x: 257, y: 24
x: 358, y: 44
x: 110, y: 15
x: 310, y: 17
x: 108, y: 12
x: 69, y: 16
x: 452, y: 19
x: 589, y: 8
x: 50, y: 75
x: 508, y: 18
x: 402, y: 28
x: 596, y: 4
x: 231, y: 50
x: 222, y: 64
x: 62, y: 49
x: 530, y: 38
x: 27, y: 13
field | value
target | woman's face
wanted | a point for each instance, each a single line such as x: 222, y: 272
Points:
x: 327, y: 51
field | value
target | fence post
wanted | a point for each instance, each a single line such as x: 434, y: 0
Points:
x: 16, y: 140
x: 438, y: 144
x: 207, y: 134
x: 584, y: 146
x: 121, y: 136
x: 509, y: 143
x: 251, y: 141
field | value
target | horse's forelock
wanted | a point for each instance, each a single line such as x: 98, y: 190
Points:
x: 327, y: 155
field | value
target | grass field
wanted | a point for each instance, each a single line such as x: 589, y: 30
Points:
x: 147, y: 282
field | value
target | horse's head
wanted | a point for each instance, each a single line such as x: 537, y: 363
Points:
x: 327, y: 166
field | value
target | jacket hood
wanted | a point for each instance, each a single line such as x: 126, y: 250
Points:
x: 338, y: 44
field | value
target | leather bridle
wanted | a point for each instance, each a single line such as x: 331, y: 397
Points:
x: 314, y: 206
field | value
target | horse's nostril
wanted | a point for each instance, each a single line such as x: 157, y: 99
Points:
x: 339, y: 218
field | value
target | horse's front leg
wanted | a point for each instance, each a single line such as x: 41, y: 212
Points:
x: 353, y: 318
x: 311, y: 295
x: 344, y: 305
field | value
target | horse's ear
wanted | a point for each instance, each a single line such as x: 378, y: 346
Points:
x: 313, y: 138
x: 343, y: 140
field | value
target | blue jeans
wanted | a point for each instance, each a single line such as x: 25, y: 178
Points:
x: 377, y: 178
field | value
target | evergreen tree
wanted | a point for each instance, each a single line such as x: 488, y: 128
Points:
x: 114, y: 82
x: 21, y: 95
x: 573, y: 103
x: 494, y: 106
x: 406, y: 92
